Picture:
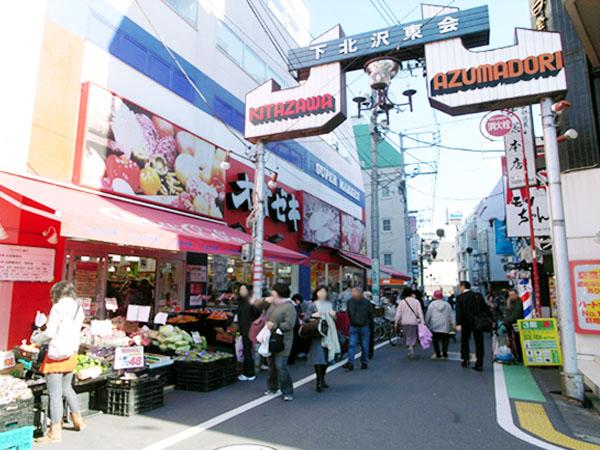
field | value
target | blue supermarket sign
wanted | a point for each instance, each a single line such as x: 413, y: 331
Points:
x: 400, y: 41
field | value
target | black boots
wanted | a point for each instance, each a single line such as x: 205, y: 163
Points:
x: 320, y: 371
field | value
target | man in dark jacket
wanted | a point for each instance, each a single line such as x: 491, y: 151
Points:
x: 359, y: 312
x: 470, y: 305
x: 247, y: 314
x: 514, y: 312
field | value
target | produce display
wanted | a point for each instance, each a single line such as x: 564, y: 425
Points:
x: 13, y: 389
x: 141, y: 336
x: 202, y: 356
x: 135, y: 152
x: 118, y: 338
x: 182, y: 319
x: 220, y: 315
x: 169, y: 338
x: 90, y: 366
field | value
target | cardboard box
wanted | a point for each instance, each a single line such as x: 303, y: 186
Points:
x: 18, y: 371
x: 7, y: 360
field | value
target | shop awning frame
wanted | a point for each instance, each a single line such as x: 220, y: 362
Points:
x: 365, y: 263
x: 86, y: 214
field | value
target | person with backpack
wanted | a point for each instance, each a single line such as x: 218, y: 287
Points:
x: 408, y: 316
x: 473, y: 317
x: 62, y: 336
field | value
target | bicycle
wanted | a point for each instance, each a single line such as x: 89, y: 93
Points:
x: 385, y: 330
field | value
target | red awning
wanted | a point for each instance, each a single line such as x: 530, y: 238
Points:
x: 365, y: 263
x: 89, y: 215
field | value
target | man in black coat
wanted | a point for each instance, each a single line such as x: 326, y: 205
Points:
x: 470, y: 305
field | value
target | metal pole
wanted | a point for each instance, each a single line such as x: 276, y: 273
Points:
x: 536, y: 274
x: 571, y: 379
x: 259, y: 219
x: 421, y: 263
x: 375, y: 275
x: 407, y: 233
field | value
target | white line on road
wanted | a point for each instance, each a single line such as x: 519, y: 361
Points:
x: 504, y: 415
x: 217, y: 420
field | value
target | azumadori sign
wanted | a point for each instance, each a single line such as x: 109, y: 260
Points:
x: 316, y: 106
x: 461, y: 81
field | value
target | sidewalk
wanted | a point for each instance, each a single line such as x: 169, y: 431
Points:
x: 540, y: 410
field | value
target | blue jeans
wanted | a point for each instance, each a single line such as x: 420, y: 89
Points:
x: 356, y: 334
x: 279, y: 375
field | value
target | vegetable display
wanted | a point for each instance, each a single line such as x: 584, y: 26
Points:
x: 171, y: 339
x: 13, y: 389
x: 202, y: 356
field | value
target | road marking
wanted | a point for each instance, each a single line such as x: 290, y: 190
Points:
x: 533, y: 418
x: 504, y: 413
x: 217, y: 420
x: 521, y: 385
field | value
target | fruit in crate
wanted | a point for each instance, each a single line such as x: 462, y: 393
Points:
x: 182, y: 319
x: 219, y: 315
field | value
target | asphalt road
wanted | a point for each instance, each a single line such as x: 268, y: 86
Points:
x: 395, y: 404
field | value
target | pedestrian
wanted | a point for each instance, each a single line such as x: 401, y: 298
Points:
x: 514, y: 313
x: 360, y: 314
x: 408, y: 315
x: 247, y: 313
x: 345, y: 297
x: 323, y: 349
x: 369, y: 296
x: 452, y: 301
x: 280, y: 315
x: 62, y: 335
x: 469, y: 307
x: 439, y: 321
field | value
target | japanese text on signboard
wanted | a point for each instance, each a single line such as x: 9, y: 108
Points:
x: 585, y: 280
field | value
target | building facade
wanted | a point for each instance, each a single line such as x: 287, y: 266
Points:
x: 136, y: 111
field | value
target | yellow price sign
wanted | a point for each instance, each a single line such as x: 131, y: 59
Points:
x: 540, y: 343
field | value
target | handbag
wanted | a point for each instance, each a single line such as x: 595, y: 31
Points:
x: 256, y: 327
x: 276, y: 344
x: 481, y: 322
x: 314, y: 328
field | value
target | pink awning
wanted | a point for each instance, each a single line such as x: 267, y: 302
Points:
x: 365, y: 263
x: 89, y: 215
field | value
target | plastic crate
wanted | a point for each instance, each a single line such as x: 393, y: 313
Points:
x: 129, y: 397
x: 16, y: 415
x: 17, y: 439
x: 167, y: 374
x: 205, y: 377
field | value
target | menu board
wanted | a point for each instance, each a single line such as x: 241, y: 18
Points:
x: 20, y: 263
x: 539, y: 341
x: 86, y: 274
x: 585, y: 281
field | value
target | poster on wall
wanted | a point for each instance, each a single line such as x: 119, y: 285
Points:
x: 585, y: 284
x: 126, y: 149
x: 321, y: 224
x: 20, y: 263
x: 354, y: 235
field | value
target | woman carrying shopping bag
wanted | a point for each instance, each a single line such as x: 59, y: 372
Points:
x: 62, y: 336
x: 325, y: 345
x: 409, y: 315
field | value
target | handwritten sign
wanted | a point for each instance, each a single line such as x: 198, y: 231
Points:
x: 19, y: 263
x: 585, y: 282
x: 111, y: 304
x: 129, y: 357
x: 161, y: 318
x: 137, y: 313
x: 539, y: 341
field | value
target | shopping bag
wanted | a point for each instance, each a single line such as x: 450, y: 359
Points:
x: 425, y: 336
x: 256, y: 327
x: 239, y: 349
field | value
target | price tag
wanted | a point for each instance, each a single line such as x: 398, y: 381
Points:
x: 196, y: 337
x: 161, y: 318
x: 129, y: 357
x: 111, y: 304
x: 101, y: 327
x: 86, y: 303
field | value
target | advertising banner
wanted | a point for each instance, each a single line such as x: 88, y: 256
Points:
x: 513, y: 145
x: 503, y: 244
x: 321, y: 223
x: 126, y: 149
x: 585, y: 283
x: 539, y: 341
x: 517, y: 217
x: 354, y: 235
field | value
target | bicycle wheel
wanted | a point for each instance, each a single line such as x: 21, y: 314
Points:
x: 379, y: 333
x: 395, y: 337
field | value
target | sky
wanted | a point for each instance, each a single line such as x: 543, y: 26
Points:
x: 462, y: 178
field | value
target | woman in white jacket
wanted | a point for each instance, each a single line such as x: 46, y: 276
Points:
x: 440, y: 322
x: 62, y: 335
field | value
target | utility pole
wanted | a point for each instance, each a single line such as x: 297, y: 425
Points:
x: 571, y: 379
x: 407, y: 233
x: 258, y: 228
x: 375, y: 274
x: 421, y: 256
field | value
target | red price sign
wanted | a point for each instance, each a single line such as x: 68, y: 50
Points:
x: 129, y: 357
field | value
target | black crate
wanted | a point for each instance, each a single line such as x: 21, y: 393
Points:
x: 204, y: 377
x: 16, y: 415
x: 129, y: 397
x: 167, y: 374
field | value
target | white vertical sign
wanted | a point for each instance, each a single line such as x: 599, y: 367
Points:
x: 517, y: 217
x: 513, y: 145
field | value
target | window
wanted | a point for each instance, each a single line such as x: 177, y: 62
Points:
x: 230, y: 44
x: 387, y: 224
x: 387, y: 259
x: 255, y: 66
x: 385, y: 191
x: 187, y: 9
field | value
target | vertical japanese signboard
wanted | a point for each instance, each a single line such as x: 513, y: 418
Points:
x: 517, y: 219
x: 585, y: 283
x: 539, y: 341
x: 513, y: 145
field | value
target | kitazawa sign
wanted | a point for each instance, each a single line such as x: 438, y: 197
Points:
x: 459, y: 81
